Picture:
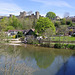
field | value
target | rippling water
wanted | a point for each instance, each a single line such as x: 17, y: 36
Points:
x: 32, y: 60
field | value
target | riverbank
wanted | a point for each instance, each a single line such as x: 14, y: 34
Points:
x: 49, y: 45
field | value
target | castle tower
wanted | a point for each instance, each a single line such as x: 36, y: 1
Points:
x: 37, y: 14
x: 11, y: 15
x: 22, y: 14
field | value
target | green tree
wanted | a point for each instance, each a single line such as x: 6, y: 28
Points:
x: 3, y: 23
x: 34, y: 23
x: 27, y: 23
x: 44, y: 23
x: 63, y: 21
x: 51, y: 15
x: 49, y: 33
x: 9, y: 28
x: 57, y: 24
x: 69, y: 22
x: 13, y: 21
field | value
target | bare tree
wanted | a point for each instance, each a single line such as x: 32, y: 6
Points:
x: 49, y: 33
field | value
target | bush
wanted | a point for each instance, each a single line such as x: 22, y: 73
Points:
x: 64, y: 46
x: 19, y: 34
x: 22, y: 38
x: 14, y: 36
x: 73, y: 35
x: 45, y: 45
x: 58, y: 46
x: 72, y: 46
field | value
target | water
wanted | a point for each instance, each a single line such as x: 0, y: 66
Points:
x: 32, y: 60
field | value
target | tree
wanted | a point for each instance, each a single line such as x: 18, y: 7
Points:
x: 51, y: 15
x: 3, y: 23
x: 27, y: 23
x: 69, y: 22
x: 49, y: 33
x: 63, y: 21
x: 14, y: 21
x: 63, y: 30
x: 57, y: 24
x: 9, y: 28
x: 44, y: 23
x: 34, y: 23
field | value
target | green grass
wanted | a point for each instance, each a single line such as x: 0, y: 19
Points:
x: 66, y: 38
x: 9, y: 37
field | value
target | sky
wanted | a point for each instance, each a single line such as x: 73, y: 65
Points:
x: 60, y: 7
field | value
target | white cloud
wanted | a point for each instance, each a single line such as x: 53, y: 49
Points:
x: 58, y: 3
x: 9, y: 8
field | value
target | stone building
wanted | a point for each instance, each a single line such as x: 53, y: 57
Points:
x: 24, y: 15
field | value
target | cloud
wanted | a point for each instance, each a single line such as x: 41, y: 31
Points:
x: 58, y: 3
x: 9, y: 8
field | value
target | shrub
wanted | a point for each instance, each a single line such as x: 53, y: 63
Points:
x: 45, y: 45
x: 59, y: 46
x: 72, y: 46
x: 19, y: 34
x: 64, y: 46
x: 73, y: 35
x: 14, y: 36
x: 22, y: 38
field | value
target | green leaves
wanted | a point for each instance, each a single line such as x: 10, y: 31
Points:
x: 13, y: 21
x: 43, y: 24
x: 51, y: 15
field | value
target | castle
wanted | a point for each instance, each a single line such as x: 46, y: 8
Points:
x: 24, y: 15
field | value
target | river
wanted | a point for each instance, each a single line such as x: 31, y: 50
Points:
x: 33, y: 60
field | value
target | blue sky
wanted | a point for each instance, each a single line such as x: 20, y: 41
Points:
x: 60, y: 7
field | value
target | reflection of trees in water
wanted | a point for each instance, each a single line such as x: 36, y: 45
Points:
x: 73, y: 54
x: 12, y: 64
x: 64, y: 65
x: 14, y: 57
x: 44, y: 59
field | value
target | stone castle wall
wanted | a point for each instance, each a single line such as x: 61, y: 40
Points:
x: 24, y: 15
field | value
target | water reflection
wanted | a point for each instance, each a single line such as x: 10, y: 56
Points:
x: 68, y: 67
x: 29, y: 60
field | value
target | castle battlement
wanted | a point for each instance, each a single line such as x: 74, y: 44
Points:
x: 24, y: 15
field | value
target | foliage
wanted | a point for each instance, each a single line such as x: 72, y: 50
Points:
x: 49, y: 32
x: 51, y: 15
x: 69, y: 46
x: 3, y: 23
x: 69, y: 22
x: 62, y: 30
x: 19, y: 34
x: 63, y: 21
x: 57, y: 24
x: 14, y: 36
x: 58, y: 46
x: 13, y: 21
x: 43, y: 24
x: 28, y: 23
x: 34, y: 23
x: 9, y: 28
x: 67, y: 38
x: 2, y: 36
x: 73, y: 35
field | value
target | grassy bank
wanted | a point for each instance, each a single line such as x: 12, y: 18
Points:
x: 66, y: 38
x: 59, y: 46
